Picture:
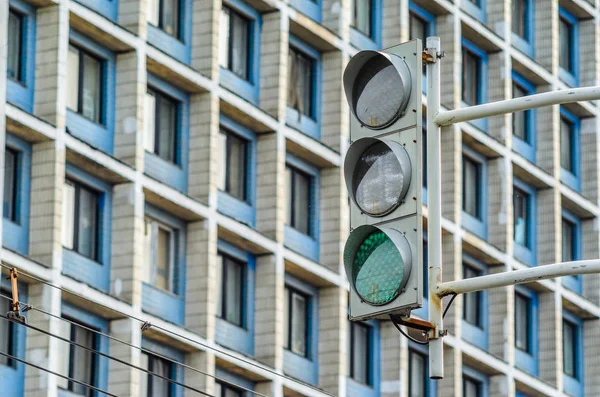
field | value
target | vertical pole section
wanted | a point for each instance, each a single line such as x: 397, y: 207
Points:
x: 434, y: 203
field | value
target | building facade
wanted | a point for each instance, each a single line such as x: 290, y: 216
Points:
x: 177, y: 164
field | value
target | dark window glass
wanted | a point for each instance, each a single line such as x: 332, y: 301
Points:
x: 522, y: 322
x: 300, y: 84
x: 233, y: 166
x: 236, y: 33
x: 476, y: 2
x: 361, y: 18
x: 471, y: 187
x: 298, y: 214
x: 15, y: 46
x: 566, y: 144
x: 471, y: 387
x: 165, y: 127
x: 156, y: 386
x: 470, y: 77
x: 359, y: 352
x: 519, y: 17
x: 417, y: 374
x: 472, y: 300
x: 84, y: 84
x: 521, y: 217
x: 565, y: 34
x: 295, y: 321
x: 569, y: 348
x: 6, y: 333
x: 418, y: 30
x: 82, y: 363
x: 230, y: 303
x: 10, y: 203
x: 225, y: 390
x: 81, y: 220
x: 168, y: 17
x: 568, y: 237
x: 520, y: 129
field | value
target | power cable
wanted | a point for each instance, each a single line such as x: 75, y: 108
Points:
x: 454, y: 295
x: 420, y: 342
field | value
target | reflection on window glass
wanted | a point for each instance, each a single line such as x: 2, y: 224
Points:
x: 295, y: 327
x: 519, y: 118
x: 84, y: 84
x: 522, y: 322
x: 6, y: 333
x: 230, y: 279
x: 161, y: 135
x: 234, y: 42
x: 521, y: 218
x: 15, y: 46
x: 360, y: 344
x: 298, y: 190
x: 232, y: 172
x: 470, y: 77
x: 565, y: 33
x: 569, y: 348
x: 80, y: 219
x: 471, y: 187
x: 471, y: 387
x: 566, y: 144
x: 361, y: 16
x: 567, y: 241
x: 165, y: 15
x: 10, y: 202
x: 153, y: 386
x: 519, y: 17
x: 159, y: 258
x: 417, y: 375
x: 472, y: 300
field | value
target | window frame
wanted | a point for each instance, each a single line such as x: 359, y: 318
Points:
x: 477, y: 11
x: 21, y: 92
x: 239, y: 338
x: 372, y: 387
x: 171, y: 174
x: 429, y: 20
x: 247, y: 89
x: 528, y: 360
x: 176, y: 47
x: 18, y: 340
x: 77, y: 188
x: 373, y: 40
x: 312, y: 9
x: 100, y: 135
x: 169, y: 305
x: 527, y: 255
x: 526, y: 44
x: 474, y: 375
x: 107, y: 8
x: 482, y: 84
x: 94, y: 272
x: 470, y: 222
x: 233, y: 379
x: 160, y: 348
x: 430, y: 384
x: 307, y: 245
x: 310, y: 126
x: 574, y: 283
x: 570, y: 78
x: 572, y: 178
x: 16, y: 234
x: 574, y: 385
x: 526, y: 148
x: 471, y: 333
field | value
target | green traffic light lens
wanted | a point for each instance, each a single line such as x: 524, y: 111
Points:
x: 378, y: 269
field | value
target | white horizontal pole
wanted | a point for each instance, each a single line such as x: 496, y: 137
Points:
x: 517, y: 104
x: 523, y: 276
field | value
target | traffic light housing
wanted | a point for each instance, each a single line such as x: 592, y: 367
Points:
x: 383, y: 255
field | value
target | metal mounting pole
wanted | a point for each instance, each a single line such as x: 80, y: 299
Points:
x: 434, y: 203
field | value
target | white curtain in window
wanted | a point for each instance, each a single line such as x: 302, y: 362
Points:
x: 234, y: 292
x: 298, y: 324
x: 148, y: 264
x: 68, y: 218
x: 220, y: 286
x: 239, y: 45
x: 288, y: 196
x: 144, y: 362
x: 153, y: 14
x: 92, y: 88
x: 286, y: 317
x: 149, y: 119
x: 73, y: 78
x: 163, y: 259
x: 88, y: 223
x: 14, y: 45
x: 224, y: 37
x: 222, y: 159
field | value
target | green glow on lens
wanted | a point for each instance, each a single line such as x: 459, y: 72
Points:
x: 378, y: 269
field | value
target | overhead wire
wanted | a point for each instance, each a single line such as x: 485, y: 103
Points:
x: 206, y: 346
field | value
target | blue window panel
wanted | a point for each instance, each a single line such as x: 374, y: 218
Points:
x: 528, y: 254
x: 428, y: 19
x: 571, y: 77
x: 178, y: 48
x: 482, y: 83
x: 12, y: 377
x: 525, y: 43
x: 574, y: 283
x: 305, y: 368
x: 177, y: 371
x: 357, y: 389
x: 373, y: 40
x: 232, y: 206
x: 108, y: 8
x: 573, y: 178
x: 430, y: 384
x: 528, y: 360
x: 97, y: 135
x: 477, y: 335
x: 477, y: 225
x: 307, y: 245
x: 228, y: 334
x: 574, y: 384
x: 309, y: 125
x: 312, y: 8
x: 20, y: 93
x: 102, y: 344
x: 482, y: 380
x: 80, y: 267
x: 156, y: 301
x: 174, y: 175
x: 15, y: 234
x: 475, y: 8
x: 233, y: 379
x: 527, y: 147
x: 247, y: 89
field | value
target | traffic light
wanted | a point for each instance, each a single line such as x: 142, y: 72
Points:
x: 384, y: 252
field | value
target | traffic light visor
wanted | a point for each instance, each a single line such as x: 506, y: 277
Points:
x: 378, y: 175
x: 378, y: 87
x: 378, y: 263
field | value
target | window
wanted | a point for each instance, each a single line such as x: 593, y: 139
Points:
x: 165, y: 15
x: 569, y: 348
x: 421, y: 25
x: 566, y: 145
x: 230, y: 279
x: 523, y: 123
x: 524, y: 222
x: 298, y: 199
x: 526, y: 329
x: 568, y: 241
x: 475, y: 306
x: 161, y: 126
x: 233, y: 159
x: 226, y: 390
x: 471, y: 77
x: 311, y: 8
x: 360, y: 357
x: 361, y: 16
x: 519, y: 17
x: 417, y: 27
x: 571, y: 247
x: 570, y: 150
x: 522, y: 325
x: 6, y: 333
x: 472, y: 300
x: 418, y: 378
x: 523, y: 26
x: 520, y: 129
x: 234, y: 42
x: 474, y: 200
x: 471, y: 387
x: 15, y: 46
x: 85, y: 84
x: 301, y: 83
x: 80, y: 219
x: 568, y: 37
x: 160, y: 247
x: 573, y: 365
x: 295, y: 321
x: 78, y: 363
x: 11, y: 175
x: 476, y: 8
x: 153, y: 386
x: 521, y: 217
